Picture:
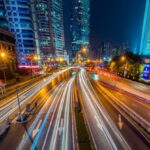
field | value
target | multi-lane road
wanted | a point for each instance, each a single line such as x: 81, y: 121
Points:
x: 51, y: 123
x: 104, y: 133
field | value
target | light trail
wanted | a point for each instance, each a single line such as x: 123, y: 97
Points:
x: 35, y: 122
x: 65, y: 100
x: 66, y: 122
x: 11, y: 107
x: 95, y: 109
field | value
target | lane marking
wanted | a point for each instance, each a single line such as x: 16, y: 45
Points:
x: 36, y: 130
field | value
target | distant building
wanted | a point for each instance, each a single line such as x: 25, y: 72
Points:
x: 80, y: 22
x: 7, y: 46
x: 18, y: 15
x: 108, y: 50
x: 145, y: 39
x: 105, y: 50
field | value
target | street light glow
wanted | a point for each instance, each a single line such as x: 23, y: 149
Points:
x: 35, y: 58
x: 84, y: 50
x: 3, y: 54
x: 123, y: 58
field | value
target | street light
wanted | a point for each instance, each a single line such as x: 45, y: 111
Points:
x: 84, y: 49
x: 88, y: 60
x: 61, y: 59
x: 2, y: 54
x: 123, y: 58
x: 35, y: 58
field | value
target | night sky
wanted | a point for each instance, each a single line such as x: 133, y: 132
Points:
x: 116, y: 21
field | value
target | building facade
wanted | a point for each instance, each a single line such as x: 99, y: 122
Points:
x: 41, y: 16
x: 18, y: 14
x: 3, y: 21
x: 47, y: 16
x: 80, y: 21
x: 37, y: 26
x: 145, y: 39
x: 57, y: 26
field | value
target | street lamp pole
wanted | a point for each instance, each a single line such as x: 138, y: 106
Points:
x: 19, y: 107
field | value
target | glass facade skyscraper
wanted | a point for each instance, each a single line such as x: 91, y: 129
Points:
x: 37, y: 26
x: 80, y: 21
x: 3, y: 21
x: 18, y: 14
x: 57, y: 26
x: 47, y: 16
x: 41, y: 16
x: 145, y: 39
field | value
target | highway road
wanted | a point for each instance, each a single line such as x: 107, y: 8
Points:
x: 50, y: 125
x: 104, y: 133
x: 133, y: 87
x: 8, y: 107
x: 132, y: 136
x: 133, y: 102
x: 56, y: 129
x: 22, y: 132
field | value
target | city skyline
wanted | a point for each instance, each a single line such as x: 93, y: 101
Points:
x: 72, y: 76
x: 80, y: 26
x: 38, y: 28
x: 111, y: 22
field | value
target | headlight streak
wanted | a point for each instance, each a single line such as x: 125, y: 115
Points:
x: 12, y: 106
x: 66, y: 120
x: 98, y: 124
x: 56, y: 93
x: 55, y: 131
x: 84, y: 85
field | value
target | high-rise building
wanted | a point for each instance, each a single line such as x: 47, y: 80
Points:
x: 37, y: 26
x: 3, y: 21
x: 145, y: 39
x: 18, y: 14
x: 80, y: 25
x: 47, y: 16
x: 41, y: 16
x: 57, y: 26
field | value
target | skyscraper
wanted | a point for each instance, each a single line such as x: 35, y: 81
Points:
x: 37, y: 26
x: 3, y: 21
x: 80, y: 25
x: 18, y: 14
x: 145, y: 39
x: 57, y: 26
x: 41, y: 16
x: 47, y: 16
